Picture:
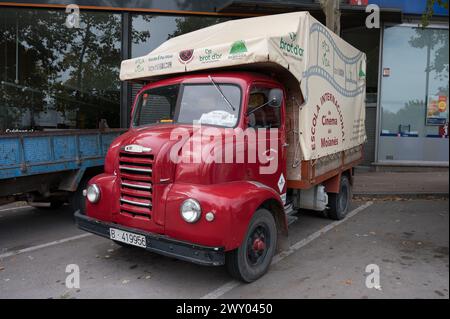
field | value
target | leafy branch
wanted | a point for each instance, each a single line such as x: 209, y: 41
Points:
x: 429, y: 12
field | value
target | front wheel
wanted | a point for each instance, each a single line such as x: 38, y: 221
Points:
x: 340, y: 202
x: 77, y: 200
x: 252, y: 259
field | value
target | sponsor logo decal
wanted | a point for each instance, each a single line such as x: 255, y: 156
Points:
x: 238, y: 47
x: 238, y: 50
x: 186, y: 56
x: 160, y: 58
x: 160, y: 66
x: 329, y: 122
x: 289, y: 47
x: 159, y: 62
x: 292, y: 36
x: 139, y: 65
x: 361, y: 73
x: 209, y: 56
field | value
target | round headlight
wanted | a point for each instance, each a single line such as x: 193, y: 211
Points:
x: 191, y: 210
x: 93, y: 193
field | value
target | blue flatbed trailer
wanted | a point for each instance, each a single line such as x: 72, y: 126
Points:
x: 51, y: 167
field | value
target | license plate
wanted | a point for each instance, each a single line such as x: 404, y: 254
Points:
x: 127, y: 237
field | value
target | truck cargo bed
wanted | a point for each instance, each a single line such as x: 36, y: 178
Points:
x: 25, y: 154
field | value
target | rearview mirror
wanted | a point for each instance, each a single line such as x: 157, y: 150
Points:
x: 275, y: 97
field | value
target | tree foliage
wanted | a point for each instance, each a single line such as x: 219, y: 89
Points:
x: 429, y: 11
x: 74, y: 71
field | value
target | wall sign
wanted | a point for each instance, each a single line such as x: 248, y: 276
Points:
x: 437, y: 110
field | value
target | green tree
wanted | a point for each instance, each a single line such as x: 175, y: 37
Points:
x: 189, y: 24
x: 429, y: 11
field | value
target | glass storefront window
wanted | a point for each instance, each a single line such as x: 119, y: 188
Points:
x: 150, y: 31
x: 55, y: 77
x: 414, y: 94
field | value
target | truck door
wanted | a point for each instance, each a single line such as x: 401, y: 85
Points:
x: 268, y: 123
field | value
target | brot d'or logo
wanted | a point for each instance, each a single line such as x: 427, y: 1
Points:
x: 186, y: 56
x: 290, y: 47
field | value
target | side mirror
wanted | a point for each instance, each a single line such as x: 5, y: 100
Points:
x: 275, y: 97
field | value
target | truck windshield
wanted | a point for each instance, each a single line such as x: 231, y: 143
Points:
x: 189, y: 104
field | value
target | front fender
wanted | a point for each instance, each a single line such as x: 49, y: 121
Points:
x: 107, y: 205
x: 233, y: 204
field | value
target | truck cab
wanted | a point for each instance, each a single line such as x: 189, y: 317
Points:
x: 231, y: 136
x: 205, y: 204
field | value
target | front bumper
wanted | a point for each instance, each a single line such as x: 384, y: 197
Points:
x: 202, y: 255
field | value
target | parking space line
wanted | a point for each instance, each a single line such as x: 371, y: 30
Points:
x: 234, y: 283
x: 33, y: 248
x: 15, y: 208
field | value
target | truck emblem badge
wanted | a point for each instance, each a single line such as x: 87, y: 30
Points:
x: 186, y: 56
x: 281, y: 182
x: 136, y: 148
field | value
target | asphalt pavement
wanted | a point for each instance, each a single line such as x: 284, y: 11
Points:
x: 408, y: 240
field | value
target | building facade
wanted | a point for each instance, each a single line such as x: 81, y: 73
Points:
x: 61, y: 71
x: 412, y: 108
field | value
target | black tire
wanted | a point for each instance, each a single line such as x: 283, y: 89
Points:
x: 252, y: 259
x: 340, y: 202
x: 77, y: 200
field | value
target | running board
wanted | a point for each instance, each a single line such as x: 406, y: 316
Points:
x: 290, y: 211
x: 291, y: 219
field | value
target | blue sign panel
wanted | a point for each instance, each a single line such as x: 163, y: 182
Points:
x: 410, y: 7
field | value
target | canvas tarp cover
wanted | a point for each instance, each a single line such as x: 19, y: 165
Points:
x: 330, y: 72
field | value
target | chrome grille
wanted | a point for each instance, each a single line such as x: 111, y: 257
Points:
x: 136, y: 189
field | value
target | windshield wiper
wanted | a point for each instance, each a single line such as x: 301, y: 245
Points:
x: 221, y: 93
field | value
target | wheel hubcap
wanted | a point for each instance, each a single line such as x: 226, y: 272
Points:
x: 257, y: 245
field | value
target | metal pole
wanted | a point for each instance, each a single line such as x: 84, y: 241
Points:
x: 427, y: 79
x: 379, y: 92
x: 17, y: 49
x: 125, y: 87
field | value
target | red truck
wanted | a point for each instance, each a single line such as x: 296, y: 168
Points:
x: 176, y: 184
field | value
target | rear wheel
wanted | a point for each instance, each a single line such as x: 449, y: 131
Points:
x: 252, y: 259
x: 340, y: 202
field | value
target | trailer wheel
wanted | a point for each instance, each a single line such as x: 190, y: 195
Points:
x: 77, y: 200
x: 252, y: 259
x: 340, y: 202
